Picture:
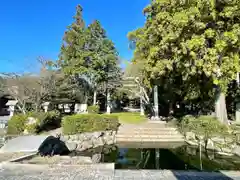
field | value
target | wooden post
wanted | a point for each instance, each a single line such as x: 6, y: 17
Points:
x: 200, y: 155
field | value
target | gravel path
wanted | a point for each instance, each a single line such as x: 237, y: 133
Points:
x: 78, y: 173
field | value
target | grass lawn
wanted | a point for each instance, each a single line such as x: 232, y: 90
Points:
x: 130, y: 117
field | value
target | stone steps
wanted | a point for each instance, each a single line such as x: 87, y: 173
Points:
x: 147, y: 128
x: 145, y: 125
x: 149, y: 136
x: 148, y: 132
x: 148, y: 145
x: 140, y: 139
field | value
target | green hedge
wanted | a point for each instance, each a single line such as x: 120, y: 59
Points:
x: 93, y: 109
x: 80, y: 123
x: 18, y: 123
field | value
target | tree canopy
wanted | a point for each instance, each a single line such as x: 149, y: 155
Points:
x: 189, y: 46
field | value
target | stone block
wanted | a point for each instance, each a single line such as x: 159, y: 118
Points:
x: 64, y: 138
x: 210, y: 144
x: 86, y: 145
x: 24, y: 144
x: 98, y: 142
x: 190, y: 136
x: 236, y: 150
x: 71, y: 146
x: 96, y: 158
x: 97, y: 134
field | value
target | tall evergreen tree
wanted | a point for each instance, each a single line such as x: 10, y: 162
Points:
x: 88, y: 56
x: 192, y: 43
x: 103, y: 57
x: 74, y: 55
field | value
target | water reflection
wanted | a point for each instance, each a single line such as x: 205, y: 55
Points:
x: 121, y: 156
x: 181, y: 158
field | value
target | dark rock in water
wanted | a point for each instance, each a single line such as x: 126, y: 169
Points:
x: 53, y: 146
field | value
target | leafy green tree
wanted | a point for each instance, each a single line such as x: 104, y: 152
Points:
x: 194, y: 42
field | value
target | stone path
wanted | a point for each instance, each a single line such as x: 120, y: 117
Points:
x: 76, y: 173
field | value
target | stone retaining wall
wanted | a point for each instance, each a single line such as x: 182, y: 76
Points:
x: 84, y: 141
x: 218, y: 144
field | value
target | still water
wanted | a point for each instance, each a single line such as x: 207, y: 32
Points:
x: 181, y: 158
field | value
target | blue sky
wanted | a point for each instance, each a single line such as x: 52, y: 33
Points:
x: 32, y: 28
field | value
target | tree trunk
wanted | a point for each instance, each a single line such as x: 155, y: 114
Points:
x: 86, y: 99
x: 155, y: 90
x: 220, y: 107
x: 95, y: 97
x: 141, y: 107
x: 141, y: 103
x: 108, y: 102
x: 36, y: 107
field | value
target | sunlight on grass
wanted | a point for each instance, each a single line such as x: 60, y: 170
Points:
x: 130, y: 117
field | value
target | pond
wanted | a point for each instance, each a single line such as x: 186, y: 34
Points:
x: 181, y: 158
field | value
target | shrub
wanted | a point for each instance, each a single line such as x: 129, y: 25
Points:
x: 93, y: 109
x: 206, y: 126
x: 45, y: 121
x: 17, y: 124
x: 81, y: 123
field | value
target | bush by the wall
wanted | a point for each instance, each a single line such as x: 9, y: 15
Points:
x: 81, y: 123
x: 93, y: 109
x: 17, y: 124
x: 206, y: 126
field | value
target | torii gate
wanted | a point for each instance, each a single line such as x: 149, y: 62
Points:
x: 144, y: 97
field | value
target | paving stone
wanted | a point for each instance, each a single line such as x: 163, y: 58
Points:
x: 78, y: 173
x: 24, y: 144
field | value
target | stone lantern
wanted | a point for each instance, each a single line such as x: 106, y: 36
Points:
x: 11, y: 104
x: 45, y: 106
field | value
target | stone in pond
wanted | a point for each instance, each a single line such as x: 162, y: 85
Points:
x: 96, y: 158
x: 53, y: 146
x: 24, y: 144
